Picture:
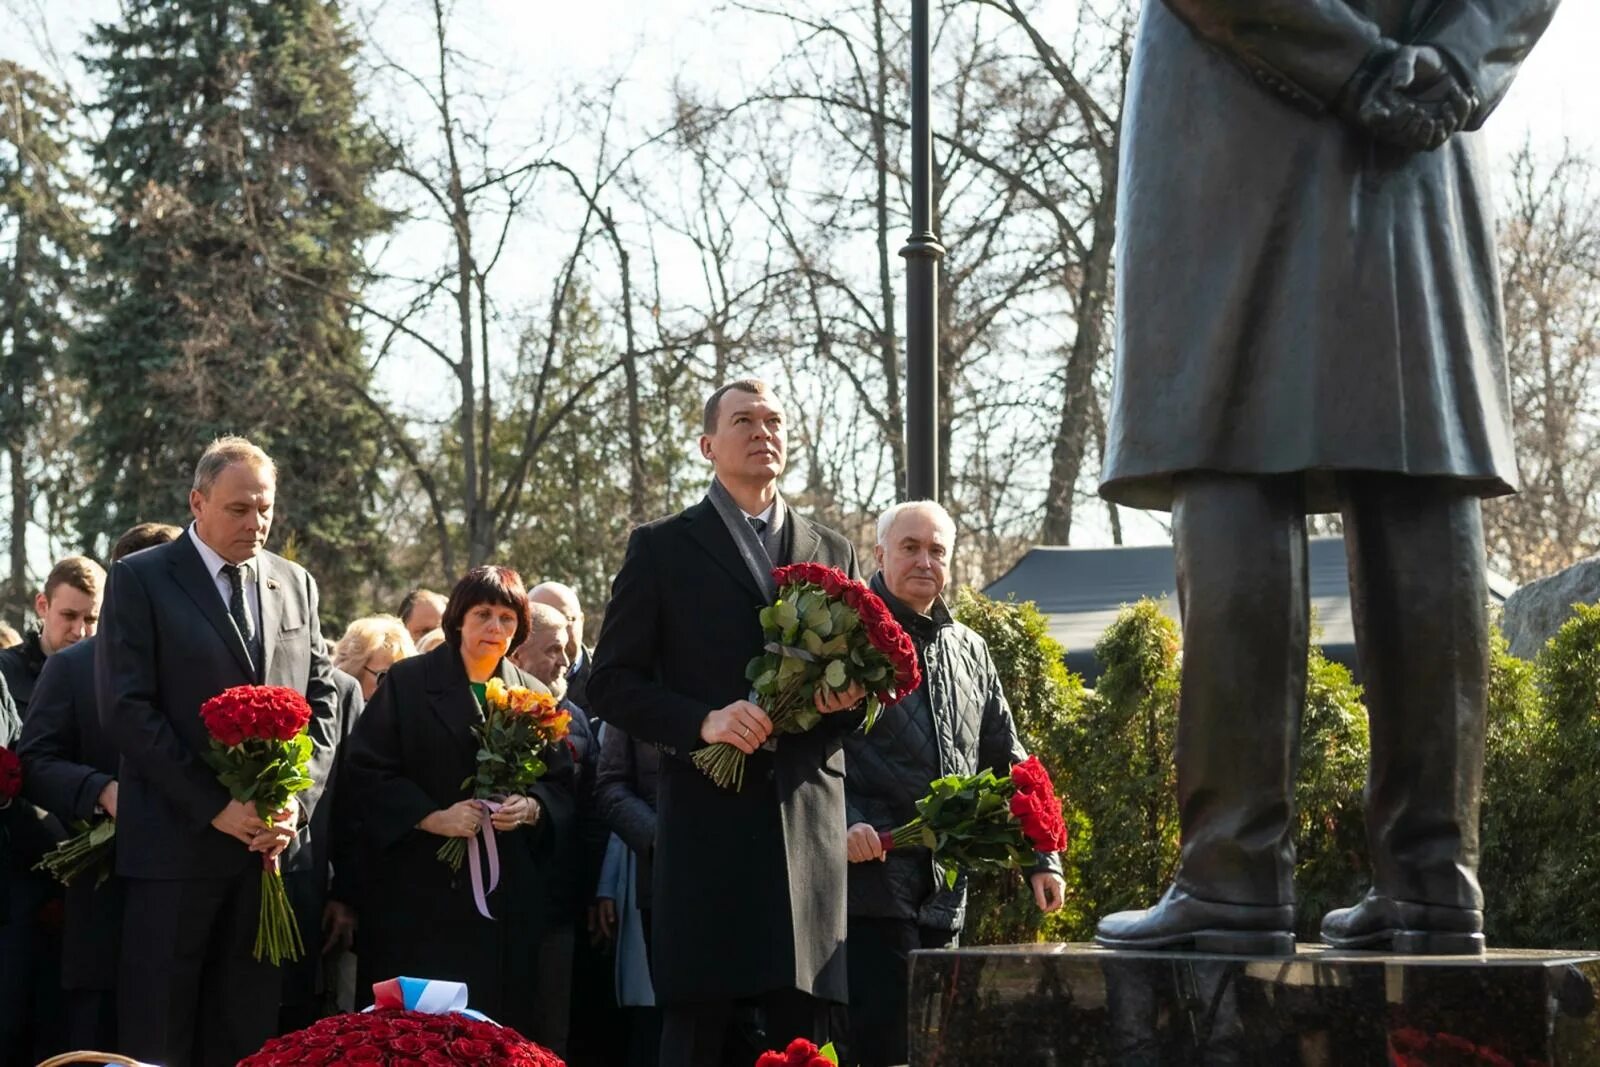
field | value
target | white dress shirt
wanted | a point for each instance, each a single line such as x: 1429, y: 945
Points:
x: 250, y: 576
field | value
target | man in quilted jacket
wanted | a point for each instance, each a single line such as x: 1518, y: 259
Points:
x: 956, y: 722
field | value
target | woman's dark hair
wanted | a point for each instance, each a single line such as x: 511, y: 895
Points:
x: 486, y: 585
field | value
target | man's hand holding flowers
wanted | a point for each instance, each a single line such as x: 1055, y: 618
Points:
x: 741, y: 724
x: 1049, y: 890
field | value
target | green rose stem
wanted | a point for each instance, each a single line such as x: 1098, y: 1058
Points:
x: 724, y: 763
x: 453, y: 852
x: 89, y: 850
x: 277, y: 933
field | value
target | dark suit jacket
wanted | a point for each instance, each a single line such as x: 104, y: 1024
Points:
x: 20, y: 666
x: 166, y: 646
x: 408, y: 757
x: 578, y: 681
x: 343, y: 851
x: 625, y: 800
x: 749, y: 886
x: 67, y: 760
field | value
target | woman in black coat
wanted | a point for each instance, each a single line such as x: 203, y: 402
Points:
x: 409, y: 755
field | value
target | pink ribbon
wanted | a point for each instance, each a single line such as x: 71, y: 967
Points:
x: 480, y: 894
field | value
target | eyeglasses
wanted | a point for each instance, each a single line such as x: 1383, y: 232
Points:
x: 377, y: 676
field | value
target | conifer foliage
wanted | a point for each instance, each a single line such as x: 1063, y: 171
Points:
x: 239, y: 178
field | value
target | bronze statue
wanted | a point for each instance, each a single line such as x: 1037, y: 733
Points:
x: 1309, y: 319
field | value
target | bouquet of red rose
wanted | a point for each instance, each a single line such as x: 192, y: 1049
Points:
x: 260, y: 751
x: 979, y: 820
x: 800, y: 1053
x: 518, y: 725
x: 408, y: 1038
x: 825, y: 630
x: 10, y: 776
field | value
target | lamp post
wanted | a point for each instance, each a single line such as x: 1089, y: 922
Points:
x: 922, y: 254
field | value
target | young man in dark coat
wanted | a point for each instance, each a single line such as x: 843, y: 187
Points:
x: 749, y: 900
x: 1309, y: 319
x: 69, y: 610
x: 182, y: 622
x: 956, y: 722
x: 70, y: 770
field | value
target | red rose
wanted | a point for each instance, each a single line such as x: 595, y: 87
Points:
x: 1030, y: 776
x: 408, y: 1044
x: 434, y: 1058
x: 1041, y: 821
x: 470, y: 1050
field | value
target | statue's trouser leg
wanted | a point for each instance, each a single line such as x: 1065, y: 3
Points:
x: 1419, y: 599
x: 1242, y: 587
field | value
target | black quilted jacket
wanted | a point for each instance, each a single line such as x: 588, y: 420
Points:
x: 956, y: 722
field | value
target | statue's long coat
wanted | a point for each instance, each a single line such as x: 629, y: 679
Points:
x: 1291, y: 294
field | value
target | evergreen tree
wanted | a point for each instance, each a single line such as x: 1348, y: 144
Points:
x: 239, y: 174
x: 42, y: 241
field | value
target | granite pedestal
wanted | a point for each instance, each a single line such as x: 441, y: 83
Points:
x: 1077, y: 1004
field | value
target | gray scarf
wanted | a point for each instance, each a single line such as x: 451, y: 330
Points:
x: 752, y: 548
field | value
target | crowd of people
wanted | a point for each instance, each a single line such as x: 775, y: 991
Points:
x: 643, y: 914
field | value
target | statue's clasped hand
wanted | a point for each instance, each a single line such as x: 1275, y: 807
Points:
x: 1412, y: 99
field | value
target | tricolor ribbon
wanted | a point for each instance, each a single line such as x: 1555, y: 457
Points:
x: 425, y: 995
x: 480, y: 893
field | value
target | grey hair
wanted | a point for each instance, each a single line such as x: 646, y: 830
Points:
x: 223, y: 453
x: 545, y: 617
x: 887, y: 520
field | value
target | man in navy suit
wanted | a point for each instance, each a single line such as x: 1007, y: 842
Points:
x: 70, y: 770
x: 181, y: 623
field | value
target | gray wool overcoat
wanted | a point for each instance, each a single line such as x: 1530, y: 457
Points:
x: 1292, y: 295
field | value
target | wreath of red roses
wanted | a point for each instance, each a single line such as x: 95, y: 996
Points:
x: 403, y: 1039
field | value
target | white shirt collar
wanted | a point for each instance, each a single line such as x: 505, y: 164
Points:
x: 208, y: 555
x: 770, y: 516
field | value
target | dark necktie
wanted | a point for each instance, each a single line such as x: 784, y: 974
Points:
x: 758, y: 525
x: 238, y: 606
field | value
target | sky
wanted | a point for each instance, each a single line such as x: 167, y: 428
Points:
x: 534, y: 53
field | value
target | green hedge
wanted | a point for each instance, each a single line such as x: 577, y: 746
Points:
x: 1110, y: 751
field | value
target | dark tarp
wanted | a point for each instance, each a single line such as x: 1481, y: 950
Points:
x: 1081, y: 590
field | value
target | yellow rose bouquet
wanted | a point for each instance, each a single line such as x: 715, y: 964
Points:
x: 518, y: 728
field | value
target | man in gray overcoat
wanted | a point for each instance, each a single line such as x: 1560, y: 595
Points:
x: 1309, y: 319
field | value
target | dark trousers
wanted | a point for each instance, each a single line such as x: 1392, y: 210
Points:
x: 711, y: 1034
x: 1419, y: 601
x: 92, y: 1019
x: 32, y: 1023
x: 879, y: 958
x: 189, y: 991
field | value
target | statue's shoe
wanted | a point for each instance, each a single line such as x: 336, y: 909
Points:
x: 1385, y: 924
x: 1180, y: 921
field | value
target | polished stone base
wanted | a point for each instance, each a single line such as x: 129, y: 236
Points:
x: 1077, y: 1004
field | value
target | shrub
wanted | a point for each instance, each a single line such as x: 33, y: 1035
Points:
x: 1513, y: 833
x: 1123, y: 781
x: 1330, y: 834
x: 1046, y: 701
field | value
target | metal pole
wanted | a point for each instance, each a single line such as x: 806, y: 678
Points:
x: 922, y: 255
